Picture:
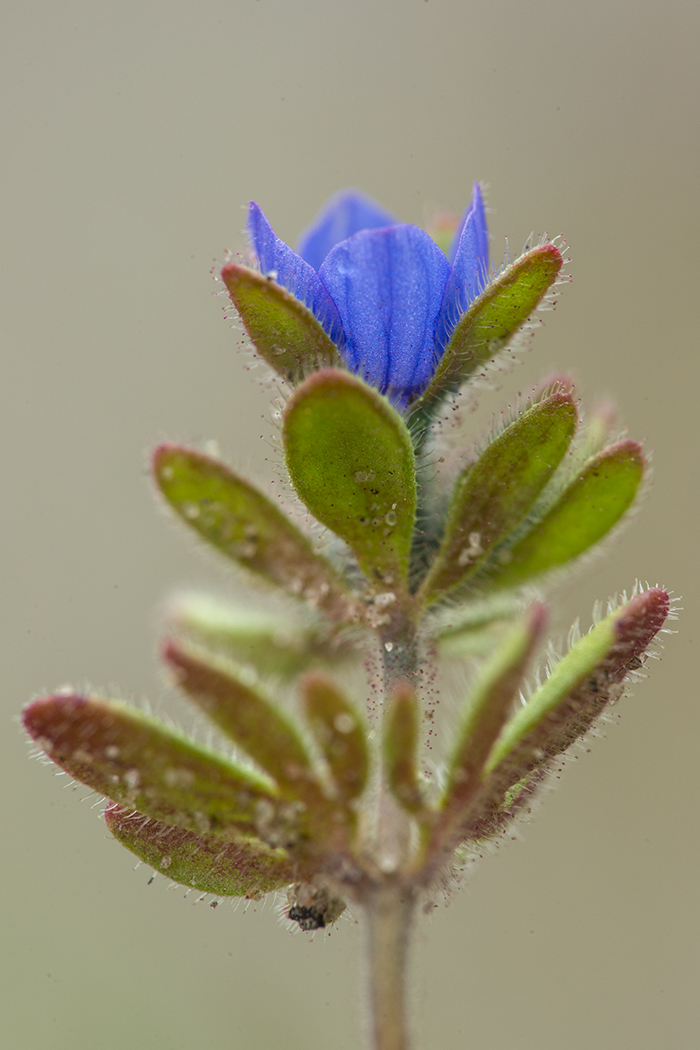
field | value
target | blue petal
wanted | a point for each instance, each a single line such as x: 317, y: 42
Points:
x: 470, y: 266
x: 278, y: 261
x: 388, y: 285
x: 346, y: 213
x: 476, y: 205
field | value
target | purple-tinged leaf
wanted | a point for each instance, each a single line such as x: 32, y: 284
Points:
x: 495, y: 691
x: 233, y: 516
x: 243, y: 868
x: 563, y: 709
x: 131, y: 758
x: 339, y: 732
x: 400, y: 745
x: 246, y: 715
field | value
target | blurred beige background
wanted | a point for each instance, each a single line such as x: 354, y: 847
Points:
x: 133, y: 134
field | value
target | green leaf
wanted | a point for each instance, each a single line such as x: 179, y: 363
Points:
x: 273, y: 644
x: 351, y: 461
x: 135, y: 760
x: 490, y: 704
x: 244, y: 713
x: 493, y: 495
x: 226, y: 869
x: 564, y: 708
x: 582, y: 515
x: 492, y: 320
x: 473, y: 629
x: 229, y: 513
x: 283, y: 331
x: 401, y: 728
x: 339, y: 733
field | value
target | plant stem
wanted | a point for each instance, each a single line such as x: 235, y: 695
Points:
x: 388, y: 902
x: 399, y: 651
x: 389, y: 908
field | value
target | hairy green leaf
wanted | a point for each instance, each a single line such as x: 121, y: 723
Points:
x: 565, y: 706
x: 494, y: 693
x: 135, y: 760
x: 339, y: 732
x: 400, y: 742
x: 232, y: 515
x: 492, y: 320
x: 283, y: 331
x: 272, y: 643
x: 351, y: 460
x: 493, y: 495
x: 242, y: 868
x: 581, y: 516
x: 245, y: 714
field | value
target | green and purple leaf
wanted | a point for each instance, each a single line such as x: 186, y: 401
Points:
x: 246, y: 715
x: 339, y: 732
x: 563, y: 709
x: 400, y: 746
x: 138, y: 762
x: 242, y: 868
x: 232, y: 515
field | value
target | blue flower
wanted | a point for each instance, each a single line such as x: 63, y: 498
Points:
x: 385, y: 293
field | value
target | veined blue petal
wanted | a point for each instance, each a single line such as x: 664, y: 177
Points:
x: 278, y: 261
x: 388, y: 285
x: 470, y: 266
x: 476, y: 205
x: 346, y: 213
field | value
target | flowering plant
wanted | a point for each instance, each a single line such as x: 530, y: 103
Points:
x: 423, y: 552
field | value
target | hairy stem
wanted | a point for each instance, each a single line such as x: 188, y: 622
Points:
x: 389, y: 904
x: 399, y: 651
x: 389, y: 909
x: 400, y: 655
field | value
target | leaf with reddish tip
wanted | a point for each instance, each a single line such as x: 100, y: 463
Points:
x: 246, y: 715
x: 131, y: 758
x: 339, y: 733
x: 401, y: 728
x: 493, y: 495
x: 580, y: 517
x: 228, y: 512
x: 492, y: 320
x: 350, y: 458
x: 283, y: 331
x: 563, y: 709
x: 227, y: 869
